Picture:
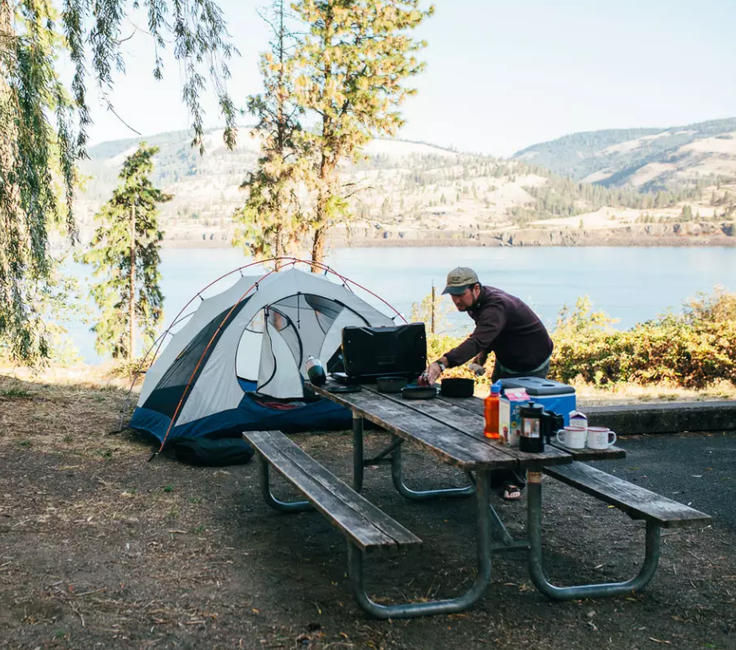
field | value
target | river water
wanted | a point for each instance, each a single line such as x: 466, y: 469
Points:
x: 632, y: 284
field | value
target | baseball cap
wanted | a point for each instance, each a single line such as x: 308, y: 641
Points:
x: 460, y: 279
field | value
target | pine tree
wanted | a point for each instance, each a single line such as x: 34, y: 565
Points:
x: 271, y: 223
x: 351, y: 66
x: 43, y: 125
x: 125, y: 254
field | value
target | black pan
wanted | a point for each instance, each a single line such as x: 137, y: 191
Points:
x: 419, y: 392
x: 457, y: 387
x: 390, y: 384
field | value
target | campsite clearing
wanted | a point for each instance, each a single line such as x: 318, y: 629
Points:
x: 101, y: 549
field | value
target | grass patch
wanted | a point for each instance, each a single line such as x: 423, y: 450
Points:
x: 15, y: 393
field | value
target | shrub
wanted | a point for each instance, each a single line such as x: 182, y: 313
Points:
x: 693, y: 349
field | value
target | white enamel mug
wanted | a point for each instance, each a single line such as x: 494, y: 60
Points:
x: 600, y: 437
x: 572, y: 437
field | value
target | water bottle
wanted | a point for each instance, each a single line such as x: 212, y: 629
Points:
x: 491, y: 404
x: 315, y: 371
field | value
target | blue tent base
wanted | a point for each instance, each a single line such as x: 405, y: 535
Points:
x: 250, y: 415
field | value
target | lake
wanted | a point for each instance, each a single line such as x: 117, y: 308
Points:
x: 632, y: 284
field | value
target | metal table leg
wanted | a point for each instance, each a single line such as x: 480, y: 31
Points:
x: 536, y: 566
x: 508, y: 543
x: 358, y: 463
x: 447, y: 606
x: 385, y: 454
x: 421, y: 495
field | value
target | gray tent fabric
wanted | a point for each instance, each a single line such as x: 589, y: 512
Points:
x: 261, y: 329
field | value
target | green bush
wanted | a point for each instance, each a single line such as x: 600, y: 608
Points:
x: 694, y: 349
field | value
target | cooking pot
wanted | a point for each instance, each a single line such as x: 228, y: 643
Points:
x: 457, y: 387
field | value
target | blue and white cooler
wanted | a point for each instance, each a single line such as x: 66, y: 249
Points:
x: 553, y: 395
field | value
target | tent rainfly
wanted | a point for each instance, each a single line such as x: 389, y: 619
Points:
x: 239, y: 362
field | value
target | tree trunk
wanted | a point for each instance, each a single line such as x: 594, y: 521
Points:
x: 278, y: 251
x: 318, y: 247
x: 131, y: 340
x: 434, y: 303
x: 322, y: 217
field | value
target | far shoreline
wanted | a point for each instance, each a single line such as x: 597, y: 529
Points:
x: 653, y: 242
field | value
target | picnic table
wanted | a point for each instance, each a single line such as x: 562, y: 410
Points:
x: 451, y: 430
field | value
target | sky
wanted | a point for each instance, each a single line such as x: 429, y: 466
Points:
x: 500, y: 76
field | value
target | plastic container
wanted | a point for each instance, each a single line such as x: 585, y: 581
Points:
x: 552, y: 395
x: 315, y: 371
x: 491, y: 411
x: 578, y: 419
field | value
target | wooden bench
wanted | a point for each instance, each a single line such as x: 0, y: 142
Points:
x: 364, y: 525
x: 635, y: 501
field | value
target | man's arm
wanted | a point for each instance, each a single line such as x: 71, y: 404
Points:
x: 478, y: 364
x: 435, y: 369
x: 478, y: 344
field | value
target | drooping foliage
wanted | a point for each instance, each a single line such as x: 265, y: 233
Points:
x: 125, y: 254
x: 43, y: 126
x: 272, y: 221
x: 201, y: 45
x: 31, y: 153
x: 351, y: 66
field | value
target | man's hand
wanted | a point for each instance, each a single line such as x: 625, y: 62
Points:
x: 433, y: 373
x: 477, y: 369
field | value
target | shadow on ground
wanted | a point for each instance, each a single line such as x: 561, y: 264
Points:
x: 101, y: 549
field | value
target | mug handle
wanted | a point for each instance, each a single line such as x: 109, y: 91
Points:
x: 611, y: 442
x: 561, y: 431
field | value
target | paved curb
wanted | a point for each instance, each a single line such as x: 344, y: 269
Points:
x: 669, y: 417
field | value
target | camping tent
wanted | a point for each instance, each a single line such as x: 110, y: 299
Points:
x: 239, y: 362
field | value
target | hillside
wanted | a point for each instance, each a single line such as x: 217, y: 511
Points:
x: 417, y: 192
x: 647, y: 159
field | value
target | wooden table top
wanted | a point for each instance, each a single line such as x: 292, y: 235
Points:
x: 451, y: 429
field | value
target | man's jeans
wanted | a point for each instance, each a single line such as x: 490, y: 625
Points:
x: 501, y: 372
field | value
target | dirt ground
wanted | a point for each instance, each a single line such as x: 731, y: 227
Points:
x: 100, y: 548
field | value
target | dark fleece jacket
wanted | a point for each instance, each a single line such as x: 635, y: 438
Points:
x: 506, y: 325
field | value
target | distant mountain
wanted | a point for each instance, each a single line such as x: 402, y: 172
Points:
x: 399, y: 180
x: 648, y: 159
x: 414, y: 190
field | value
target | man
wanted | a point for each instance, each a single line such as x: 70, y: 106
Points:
x: 505, y: 325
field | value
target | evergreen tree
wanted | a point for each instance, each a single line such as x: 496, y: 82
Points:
x: 271, y: 222
x: 125, y: 254
x: 43, y: 125
x: 351, y: 65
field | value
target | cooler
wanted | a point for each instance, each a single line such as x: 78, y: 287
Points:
x: 553, y: 395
